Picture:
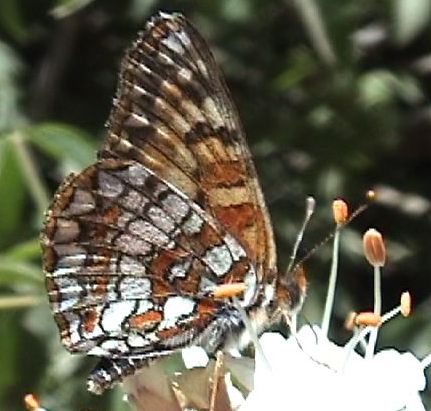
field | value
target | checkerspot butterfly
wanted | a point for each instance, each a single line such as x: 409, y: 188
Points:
x: 135, y: 245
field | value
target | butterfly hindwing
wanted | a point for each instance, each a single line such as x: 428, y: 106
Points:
x: 131, y: 262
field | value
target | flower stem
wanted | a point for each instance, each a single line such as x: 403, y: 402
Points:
x: 377, y: 310
x: 332, y: 283
x: 316, y: 30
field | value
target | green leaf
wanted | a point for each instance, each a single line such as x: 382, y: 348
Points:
x: 11, y: 19
x: 10, y: 302
x: 300, y: 66
x: 65, y: 8
x: 64, y: 143
x: 376, y: 88
x: 10, y: 67
x: 12, y: 191
x: 9, y: 347
x: 14, y: 272
x: 410, y: 18
x: 139, y: 9
x: 27, y: 250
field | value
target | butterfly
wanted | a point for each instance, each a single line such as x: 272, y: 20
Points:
x: 135, y: 245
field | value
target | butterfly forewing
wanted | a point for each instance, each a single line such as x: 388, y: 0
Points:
x: 173, y: 114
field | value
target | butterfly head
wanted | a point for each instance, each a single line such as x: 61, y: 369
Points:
x: 290, y: 290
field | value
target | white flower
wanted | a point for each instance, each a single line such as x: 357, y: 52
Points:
x: 309, y: 372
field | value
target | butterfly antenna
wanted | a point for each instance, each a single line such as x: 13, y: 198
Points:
x: 310, y: 206
x: 370, y: 196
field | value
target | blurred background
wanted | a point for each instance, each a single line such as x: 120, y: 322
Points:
x: 335, y: 99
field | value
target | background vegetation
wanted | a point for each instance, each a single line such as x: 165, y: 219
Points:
x: 326, y: 114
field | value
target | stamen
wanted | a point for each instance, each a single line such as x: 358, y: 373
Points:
x: 368, y: 319
x: 375, y: 252
x: 340, y: 211
x: 349, y: 322
x: 229, y: 290
x: 32, y: 403
x: 405, y: 304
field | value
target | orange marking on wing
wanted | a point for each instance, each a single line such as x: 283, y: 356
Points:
x: 229, y: 173
x: 207, y: 307
x: 238, y: 271
x: 160, y: 267
x: 100, y: 287
x: 91, y: 319
x: 212, y: 152
x: 145, y: 320
x: 239, y: 219
x: 170, y: 332
x: 208, y: 237
x: 111, y: 215
x: 190, y: 284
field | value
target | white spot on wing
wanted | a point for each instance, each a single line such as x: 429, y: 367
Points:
x: 176, y: 307
x: 65, y: 271
x: 132, y: 245
x: 184, y: 73
x: 144, y: 306
x: 234, y: 247
x: 83, y: 202
x: 144, y: 68
x: 160, y: 219
x: 219, y: 259
x: 97, y: 352
x: 74, y: 324
x: 202, y: 67
x: 115, y: 345
x: 109, y: 186
x: 193, y: 224
x: 250, y: 292
x: 115, y: 314
x: 133, y: 201
x: 175, y: 207
x: 172, y: 43
x: 184, y: 38
x: 179, y: 270
x: 135, y: 288
x: 70, y: 291
x: 149, y: 232
x: 137, y: 120
x: 135, y: 340
x: 137, y: 175
x: 130, y: 266
x: 124, y: 218
x: 210, y: 108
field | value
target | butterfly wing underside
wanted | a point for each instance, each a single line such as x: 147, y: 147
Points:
x: 134, y: 244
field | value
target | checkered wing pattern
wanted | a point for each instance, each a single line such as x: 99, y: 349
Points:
x: 135, y: 244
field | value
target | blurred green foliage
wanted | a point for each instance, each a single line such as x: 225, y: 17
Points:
x: 332, y: 107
